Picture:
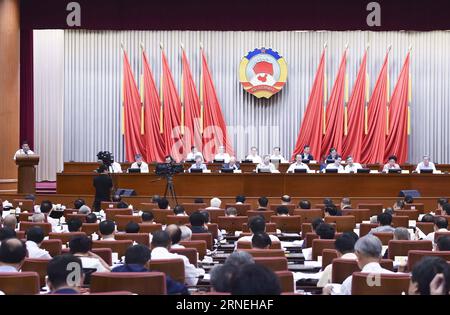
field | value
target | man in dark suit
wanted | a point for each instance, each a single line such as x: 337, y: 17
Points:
x: 103, y: 184
x: 233, y: 164
x: 306, y: 155
x: 198, y: 223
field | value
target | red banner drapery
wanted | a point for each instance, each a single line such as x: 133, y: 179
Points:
x: 311, y: 130
x: 353, y: 140
x: 397, y: 139
x: 374, y: 142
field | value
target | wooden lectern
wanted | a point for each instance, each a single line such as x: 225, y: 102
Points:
x: 27, y: 173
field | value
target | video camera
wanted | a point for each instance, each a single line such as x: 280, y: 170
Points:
x: 105, y: 157
x: 168, y: 169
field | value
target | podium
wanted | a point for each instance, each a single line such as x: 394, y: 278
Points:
x: 27, y: 173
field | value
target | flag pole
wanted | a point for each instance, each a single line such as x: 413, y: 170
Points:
x: 141, y: 85
x: 346, y: 98
x: 366, y: 107
x: 201, y: 90
x: 409, y: 93
x: 387, y: 92
x: 122, y: 107
x: 324, y: 91
x: 182, y: 94
x: 161, y: 112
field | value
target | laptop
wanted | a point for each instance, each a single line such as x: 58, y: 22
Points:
x: 363, y: 170
x: 275, y: 161
x: 196, y: 170
x: 263, y: 170
x: 246, y: 161
x: 300, y: 170
x: 134, y: 170
x: 306, y: 161
x: 218, y: 161
x: 426, y: 171
x: 395, y: 170
x: 331, y: 170
x: 329, y: 161
x: 226, y: 170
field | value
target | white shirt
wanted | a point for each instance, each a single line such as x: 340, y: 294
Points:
x: 195, y: 166
x: 191, y: 156
x: 278, y: 157
x: 296, y: 166
x: 263, y: 166
x: 353, y: 168
x: 421, y: 166
x: 327, y: 272
x: 254, y: 158
x: 340, y: 168
x: 115, y: 168
x: 35, y: 252
x: 222, y: 156
x: 143, y: 167
x: 273, y: 238
x: 430, y: 236
x: 191, y: 273
x: 388, y: 166
x: 373, y: 267
x: 176, y: 246
x: 22, y: 152
x: 92, y: 262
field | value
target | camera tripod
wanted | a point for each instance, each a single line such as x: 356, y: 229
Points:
x: 170, y: 188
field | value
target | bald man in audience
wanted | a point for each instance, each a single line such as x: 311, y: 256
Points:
x: 12, y: 254
x: 10, y: 221
x: 346, y: 203
x: 175, y: 235
x: 186, y: 233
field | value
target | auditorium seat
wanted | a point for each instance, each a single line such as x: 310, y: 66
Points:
x: 65, y: 237
x: 110, y: 214
x: 265, y: 252
x: 437, y: 235
x: 122, y: 220
x: 365, y: 228
x: 190, y: 207
x: 108, y: 205
x: 290, y: 208
x: 23, y: 204
x: 24, y: 216
x: 270, y: 227
x: 319, y: 206
x: 400, y: 221
x: 273, y: 263
x: 207, y: 237
x: 308, y: 215
x: 411, y: 214
x: 343, y: 223
x: 190, y: 253
x: 231, y: 224
x: 343, y: 268
x: 213, y: 228
x: 70, y: 211
x: 118, y: 246
x: 52, y: 246
x: 19, y: 283
x: 286, y: 279
x: 113, y: 293
x: 384, y: 237
x: 104, y: 253
x: 214, y: 214
x: 82, y: 217
x: 375, y: 208
x: 401, y: 248
x: 47, y: 227
x: 287, y: 224
x: 149, y: 228
x: 173, y: 268
x: 267, y: 214
x: 309, y: 237
x: 140, y: 238
x: 318, y: 245
x: 248, y: 245
x: 359, y: 214
x: 328, y: 254
x: 200, y: 246
x: 177, y: 219
x: 241, y: 208
x: 414, y: 256
x: 142, y: 283
x: 90, y: 228
x: 37, y: 265
x: 147, y: 206
x: 20, y: 235
x: 390, y: 284
x: 160, y: 215
x: 425, y: 227
x: 417, y: 206
x: 306, y: 228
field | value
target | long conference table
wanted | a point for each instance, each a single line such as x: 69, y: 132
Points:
x: 263, y: 184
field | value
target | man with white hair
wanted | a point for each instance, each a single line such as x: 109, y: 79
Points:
x: 425, y: 165
x: 214, y: 203
x: 368, y: 254
x: 186, y: 233
x: 222, y: 156
x: 84, y: 210
x: 38, y: 218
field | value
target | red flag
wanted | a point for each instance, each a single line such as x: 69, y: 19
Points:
x: 154, y: 141
x: 311, y: 130
x: 335, y: 112
x: 214, y: 127
x: 352, y: 142
x: 374, y: 142
x: 190, y: 101
x: 172, y: 113
x: 397, y: 139
x: 134, y: 141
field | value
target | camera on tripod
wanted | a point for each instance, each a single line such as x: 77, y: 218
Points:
x: 106, y: 158
x: 168, y: 169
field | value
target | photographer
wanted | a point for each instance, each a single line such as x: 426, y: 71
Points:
x: 108, y: 160
x: 103, y: 184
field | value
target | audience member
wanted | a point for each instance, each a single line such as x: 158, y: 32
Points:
x: 147, y: 217
x: 261, y: 241
x: 423, y: 274
x: 304, y: 204
x: 107, y: 229
x: 262, y: 203
x: 231, y: 212
x: 385, y: 220
x: 214, y: 203
x: 65, y: 274
x: 12, y: 254
x: 198, y: 223
x: 35, y: 236
x: 81, y: 246
x: 132, y: 227
x: 74, y: 225
x: 255, y: 279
